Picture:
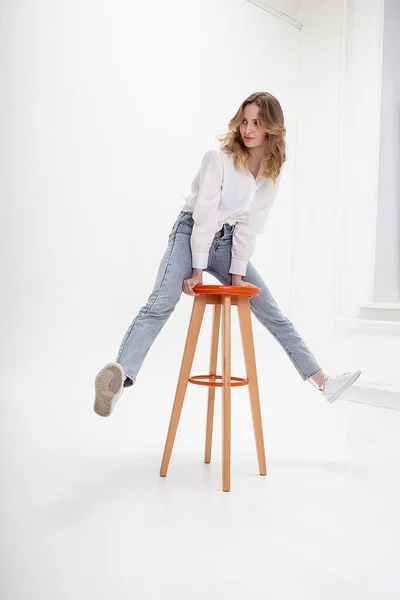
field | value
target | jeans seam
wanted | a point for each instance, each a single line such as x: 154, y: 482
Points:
x: 299, y: 369
x: 222, y: 277
x: 150, y: 307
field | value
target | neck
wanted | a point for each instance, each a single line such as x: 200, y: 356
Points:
x: 257, y: 153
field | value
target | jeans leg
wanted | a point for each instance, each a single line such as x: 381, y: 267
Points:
x: 266, y: 310
x: 175, y: 266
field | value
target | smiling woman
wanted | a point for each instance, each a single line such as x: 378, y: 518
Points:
x: 226, y: 208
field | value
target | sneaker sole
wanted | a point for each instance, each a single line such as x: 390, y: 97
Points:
x: 348, y: 384
x: 108, y: 387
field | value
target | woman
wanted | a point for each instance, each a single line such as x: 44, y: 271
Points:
x: 229, y: 202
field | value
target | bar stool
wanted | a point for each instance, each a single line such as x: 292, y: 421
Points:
x: 225, y: 297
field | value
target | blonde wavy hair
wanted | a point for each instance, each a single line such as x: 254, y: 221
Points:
x: 271, y: 118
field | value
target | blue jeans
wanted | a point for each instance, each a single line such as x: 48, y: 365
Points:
x: 176, y: 265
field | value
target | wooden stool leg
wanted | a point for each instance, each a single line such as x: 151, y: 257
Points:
x: 226, y: 394
x: 246, y: 330
x: 211, y: 389
x: 196, y: 319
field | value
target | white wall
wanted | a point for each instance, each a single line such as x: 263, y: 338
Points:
x: 387, y: 257
x: 94, y: 110
x: 336, y: 193
x: 108, y: 109
x: 100, y: 97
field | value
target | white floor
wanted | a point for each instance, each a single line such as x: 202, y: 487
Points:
x: 85, y: 515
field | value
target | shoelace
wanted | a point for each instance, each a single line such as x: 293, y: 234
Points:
x: 335, y: 377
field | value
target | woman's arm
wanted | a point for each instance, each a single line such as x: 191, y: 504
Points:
x: 205, y: 209
x: 244, y: 234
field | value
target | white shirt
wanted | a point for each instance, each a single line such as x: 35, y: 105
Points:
x: 221, y: 194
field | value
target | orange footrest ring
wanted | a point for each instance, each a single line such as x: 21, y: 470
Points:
x: 235, y: 381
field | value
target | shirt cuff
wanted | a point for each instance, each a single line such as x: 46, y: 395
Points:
x: 238, y: 267
x: 199, y: 261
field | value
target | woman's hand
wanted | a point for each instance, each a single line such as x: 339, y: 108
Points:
x: 195, y: 279
x: 237, y: 280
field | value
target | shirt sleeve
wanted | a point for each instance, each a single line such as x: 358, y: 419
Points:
x: 244, y: 235
x: 205, y: 208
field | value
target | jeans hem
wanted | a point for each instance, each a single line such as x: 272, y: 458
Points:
x: 312, y: 374
x: 127, y: 373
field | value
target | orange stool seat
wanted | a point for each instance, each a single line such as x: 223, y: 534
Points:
x: 230, y: 290
x: 222, y: 297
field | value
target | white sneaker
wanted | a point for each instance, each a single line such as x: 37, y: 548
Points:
x: 108, y: 385
x: 334, y: 385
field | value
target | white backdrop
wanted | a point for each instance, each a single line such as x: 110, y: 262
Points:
x: 108, y: 115
x: 107, y: 109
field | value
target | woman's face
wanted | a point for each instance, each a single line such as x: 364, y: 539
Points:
x: 252, y: 134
